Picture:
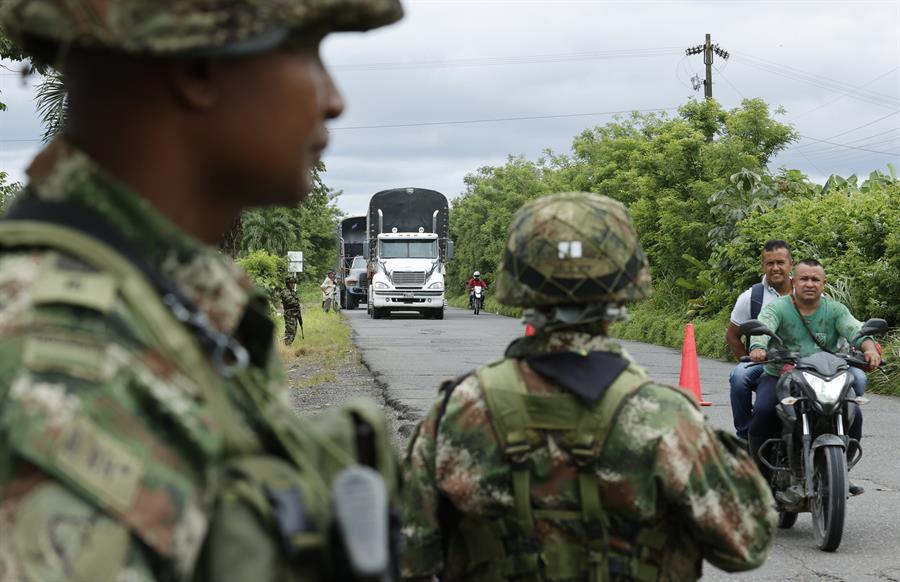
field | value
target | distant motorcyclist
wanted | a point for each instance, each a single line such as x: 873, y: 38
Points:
x: 475, y: 281
x: 807, y: 323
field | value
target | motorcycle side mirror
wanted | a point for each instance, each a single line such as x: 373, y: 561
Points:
x: 874, y: 326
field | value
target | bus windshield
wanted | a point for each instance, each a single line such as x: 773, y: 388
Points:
x: 408, y: 249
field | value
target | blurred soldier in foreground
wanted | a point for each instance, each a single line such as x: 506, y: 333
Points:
x: 563, y: 461
x: 292, y: 312
x: 143, y: 434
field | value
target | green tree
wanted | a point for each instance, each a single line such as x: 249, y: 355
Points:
x: 7, y: 191
x: 309, y: 227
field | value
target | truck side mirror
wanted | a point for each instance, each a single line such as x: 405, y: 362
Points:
x: 366, y: 249
x: 449, y: 249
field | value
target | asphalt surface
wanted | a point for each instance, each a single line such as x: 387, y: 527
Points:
x: 411, y: 356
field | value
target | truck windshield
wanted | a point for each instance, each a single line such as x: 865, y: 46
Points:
x: 358, y: 263
x: 409, y: 249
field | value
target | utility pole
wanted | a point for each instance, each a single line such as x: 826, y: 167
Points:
x: 707, y: 49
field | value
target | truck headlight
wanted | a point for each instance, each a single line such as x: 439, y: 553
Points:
x: 380, y: 285
x: 350, y: 282
x: 437, y: 285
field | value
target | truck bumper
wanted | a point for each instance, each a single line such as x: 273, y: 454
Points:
x: 412, y: 299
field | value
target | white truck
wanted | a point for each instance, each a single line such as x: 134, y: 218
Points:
x: 408, y: 250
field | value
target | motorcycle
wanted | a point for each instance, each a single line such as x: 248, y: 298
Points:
x: 810, y: 461
x: 477, y: 299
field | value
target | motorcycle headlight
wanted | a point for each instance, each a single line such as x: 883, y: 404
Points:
x: 437, y: 285
x: 380, y: 285
x: 828, y: 391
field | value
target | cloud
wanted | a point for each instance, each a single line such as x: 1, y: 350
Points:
x: 457, y: 60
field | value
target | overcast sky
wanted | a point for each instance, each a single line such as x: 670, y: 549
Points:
x: 833, y: 66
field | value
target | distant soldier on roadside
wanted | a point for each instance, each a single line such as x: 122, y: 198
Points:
x: 292, y: 312
x: 563, y: 460
x: 145, y: 433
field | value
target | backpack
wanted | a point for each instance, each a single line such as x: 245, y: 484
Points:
x: 505, y: 547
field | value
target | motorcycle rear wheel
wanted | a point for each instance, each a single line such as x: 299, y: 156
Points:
x: 829, y: 504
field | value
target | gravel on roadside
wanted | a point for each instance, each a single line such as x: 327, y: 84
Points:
x: 354, y: 379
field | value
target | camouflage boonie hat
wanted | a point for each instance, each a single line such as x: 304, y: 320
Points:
x: 186, y: 27
x: 572, y: 248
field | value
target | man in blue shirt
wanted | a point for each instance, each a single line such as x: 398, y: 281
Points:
x: 776, y: 281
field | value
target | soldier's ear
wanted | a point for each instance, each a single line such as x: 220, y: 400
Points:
x: 195, y: 82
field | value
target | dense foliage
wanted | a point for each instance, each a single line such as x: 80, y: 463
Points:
x: 268, y: 271
x: 666, y: 170
x: 704, y: 201
x: 309, y: 227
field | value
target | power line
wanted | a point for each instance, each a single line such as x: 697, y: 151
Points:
x: 845, y: 94
x: 850, y: 87
x: 873, y: 122
x: 874, y: 99
x: 850, y: 146
x: 510, y: 60
x: 500, y: 119
x: 855, y: 141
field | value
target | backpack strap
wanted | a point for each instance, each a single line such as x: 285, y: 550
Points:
x: 756, y: 299
x: 158, y: 321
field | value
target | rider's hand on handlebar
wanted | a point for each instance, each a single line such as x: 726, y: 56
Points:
x: 758, y: 355
x: 873, y: 358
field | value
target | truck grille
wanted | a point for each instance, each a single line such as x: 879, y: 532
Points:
x: 408, y: 278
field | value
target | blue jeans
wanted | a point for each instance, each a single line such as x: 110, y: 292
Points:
x: 743, y: 379
x: 859, y: 381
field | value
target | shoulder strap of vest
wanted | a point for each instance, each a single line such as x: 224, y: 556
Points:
x: 756, y: 299
x: 227, y: 354
x: 159, y: 321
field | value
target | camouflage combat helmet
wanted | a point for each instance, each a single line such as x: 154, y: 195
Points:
x: 290, y: 279
x: 186, y: 27
x: 569, y: 249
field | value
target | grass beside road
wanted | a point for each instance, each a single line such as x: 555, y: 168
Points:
x: 326, y: 343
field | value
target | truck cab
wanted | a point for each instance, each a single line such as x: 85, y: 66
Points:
x: 355, y: 283
x: 408, y: 274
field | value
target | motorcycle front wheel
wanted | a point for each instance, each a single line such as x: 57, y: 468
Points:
x: 828, y: 504
x: 786, y: 519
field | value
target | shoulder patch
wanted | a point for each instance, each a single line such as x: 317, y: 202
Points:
x: 98, y: 463
x: 84, y: 360
x: 96, y: 291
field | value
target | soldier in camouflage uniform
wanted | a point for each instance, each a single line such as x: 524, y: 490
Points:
x: 292, y: 313
x: 144, y: 429
x: 563, y: 461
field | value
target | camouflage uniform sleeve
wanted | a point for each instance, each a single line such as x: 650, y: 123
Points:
x: 712, y: 480
x: 104, y: 448
x: 423, y: 553
x: 49, y: 533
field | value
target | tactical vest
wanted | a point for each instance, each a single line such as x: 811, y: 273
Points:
x: 287, y: 484
x: 506, y: 548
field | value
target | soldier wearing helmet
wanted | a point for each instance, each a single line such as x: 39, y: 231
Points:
x: 292, y: 311
x: 143, y: 431
x: 563, y: 460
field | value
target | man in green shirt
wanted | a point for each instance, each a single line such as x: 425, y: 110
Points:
x: 826, y: 320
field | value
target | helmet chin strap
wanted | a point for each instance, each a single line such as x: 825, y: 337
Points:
x: 558, y: 317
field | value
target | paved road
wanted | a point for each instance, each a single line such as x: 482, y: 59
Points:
x: 411, y: 356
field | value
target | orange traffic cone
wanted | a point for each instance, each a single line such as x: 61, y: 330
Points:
x: 690, y: 373
x: 529, y: 329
